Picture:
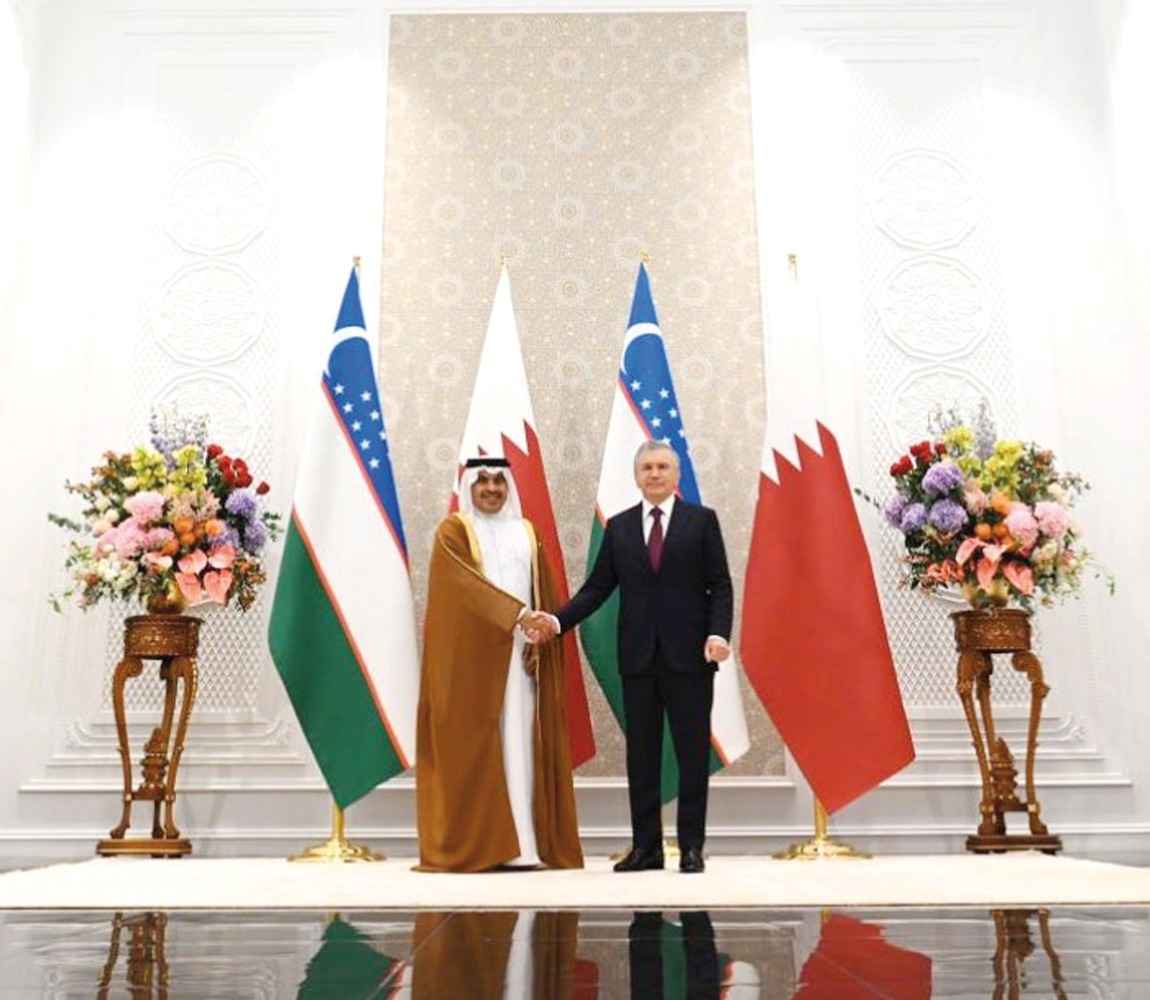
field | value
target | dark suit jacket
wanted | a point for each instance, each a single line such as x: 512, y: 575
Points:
x: 674, y: 610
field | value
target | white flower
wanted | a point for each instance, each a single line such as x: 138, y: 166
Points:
x: 102, y: 503
x: 130, y: 483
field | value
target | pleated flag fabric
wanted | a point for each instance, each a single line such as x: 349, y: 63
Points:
x: 343, y: 629
x: 646, y: 408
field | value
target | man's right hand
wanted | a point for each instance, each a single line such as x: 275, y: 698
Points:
x: 538, y: 626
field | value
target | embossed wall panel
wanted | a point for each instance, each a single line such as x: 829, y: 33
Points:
x: 209, y: 125
x: 571, y: 144
x: 932, y: 307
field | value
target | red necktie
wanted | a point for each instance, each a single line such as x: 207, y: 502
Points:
x: 655, y: 539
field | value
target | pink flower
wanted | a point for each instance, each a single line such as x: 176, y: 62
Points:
x: 157, y: 561
x: 1021, y: 524
x: 222, y: 557
x: 146, y: 507
x: 127, y: 538
x: 987, y: 567
x: 943, y: 572
x: 189, y: 585
x: 218, y: 584
x: 1021, y: 576
x: 974, y: 499
x: 969, y: 546
x: 1053, y: 518
x: 194, y: 562
x: 157, y: 538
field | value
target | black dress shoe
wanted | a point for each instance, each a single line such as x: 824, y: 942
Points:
x: 640, y: 859
x: 691, y: 861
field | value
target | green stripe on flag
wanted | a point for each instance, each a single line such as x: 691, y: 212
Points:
x: 598, y: 635
x: 331, y: 697
x: 346, y: 967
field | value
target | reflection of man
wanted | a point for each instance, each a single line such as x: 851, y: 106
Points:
x: 493, y: 955
x: 650, y: 945
x: 493, y: 773
x: 667, y: 558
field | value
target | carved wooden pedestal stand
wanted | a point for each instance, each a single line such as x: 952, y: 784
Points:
x: 147, y: 974
x: 173, y: 640
x: 978, y: 635
x: 1014, y: 945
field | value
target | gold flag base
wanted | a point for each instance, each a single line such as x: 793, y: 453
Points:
x: 820, y: 845
x: 337, y: 847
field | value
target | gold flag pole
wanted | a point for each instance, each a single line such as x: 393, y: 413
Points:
x: 337, y: 848
x: 819, y: 846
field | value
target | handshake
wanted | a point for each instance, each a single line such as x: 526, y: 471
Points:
x: 538, y: 626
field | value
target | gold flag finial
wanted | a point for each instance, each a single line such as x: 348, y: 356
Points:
x: 645, y: 255
x: 355, y: 261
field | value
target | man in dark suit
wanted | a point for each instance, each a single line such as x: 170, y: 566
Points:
x: 667, y: 558
x: 656, y: 946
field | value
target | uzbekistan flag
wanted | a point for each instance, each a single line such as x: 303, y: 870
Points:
x: 342, y: 631
x: 645, y: 408
x: 349, y: 967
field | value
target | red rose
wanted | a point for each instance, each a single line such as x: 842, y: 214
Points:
x: 940, y: 448
x: 214, y: 451
x: 262, y: 488
x: 243, y: 479
x: 902, y: 466
x: 922, y: 451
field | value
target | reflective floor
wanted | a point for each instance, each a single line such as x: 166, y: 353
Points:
x: 730, y: 954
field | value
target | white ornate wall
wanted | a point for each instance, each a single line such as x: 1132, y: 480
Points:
x: 948, y: 203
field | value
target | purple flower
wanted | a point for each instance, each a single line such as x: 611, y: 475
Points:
x: 241, y: 503
x: 229, y: 537
x: 913, y: 518
x: 255, y: 536
x: 947, y: 516
x: 894, y: 508
x: 985, y: 433
x: 942, y: 478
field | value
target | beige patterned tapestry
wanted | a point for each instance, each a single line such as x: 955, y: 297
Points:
x: 571, y: 145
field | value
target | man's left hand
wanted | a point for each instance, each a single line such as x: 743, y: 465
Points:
x: 716, y: 650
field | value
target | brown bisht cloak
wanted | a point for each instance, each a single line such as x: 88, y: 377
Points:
x: 462, y: 806
x: 465, y: 955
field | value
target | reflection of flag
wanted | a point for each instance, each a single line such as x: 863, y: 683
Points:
x: 854, y: 962
x: 347, y: 967
x: 644, y: 408
x: 342, y: 630
x: 813, y: 640
x: 502, y: 422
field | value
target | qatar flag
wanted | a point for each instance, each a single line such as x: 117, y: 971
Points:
x: 502, y: 422
x: 854, y: 961
x: 814, y: 644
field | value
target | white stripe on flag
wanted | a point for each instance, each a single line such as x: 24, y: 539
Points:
x: 365, y: 571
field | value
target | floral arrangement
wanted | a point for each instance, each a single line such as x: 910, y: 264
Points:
x: 990, y: 517
x: 176, y: 521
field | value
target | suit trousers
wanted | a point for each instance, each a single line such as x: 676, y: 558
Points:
x: 684, y: 701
